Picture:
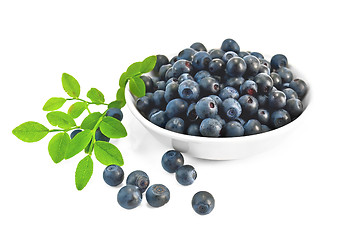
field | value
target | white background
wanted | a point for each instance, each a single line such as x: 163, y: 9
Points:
x: 306, y: 188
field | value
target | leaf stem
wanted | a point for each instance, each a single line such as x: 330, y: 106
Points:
x: 64, y: 130
x: 82, y: 100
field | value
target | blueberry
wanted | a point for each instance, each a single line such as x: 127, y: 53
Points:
x: 189, y: 90
x: 233, y: 129
x: 186, y: 54
x: 253, y: 65
x: 262, y: 101
x: 249, y: 105
x: 290, y: 93
x: 263, y: 116
x: 242, y: 54
x: 230, y: 45
x: 234, y: 82
x: 231, y: 108
x: 216, y: 66
x: 171, y: 80
x: 193, y: 129
x: 129, y: 197
x: 220, y: 120
x: 181, y: 66
x: 139, y: 179
x: 285, y: 74
x: 161, y: 60
x: 280, y: 118
x: 249, y: 87
x: 173, y: 60
x: 210, y: 127
x: 191, y: 113
x: 228, y: 92
x: 217, y: 99
x: 264, y: 83
x: 299, y: 86
x: 113, y: 175
x: 159, y: 118
x: 171, y: 91
x: 203, y: 202
x: 257, y: 55
x: 265, y: 63
x: 252, y: 126
x: 216, y: 53
x: 277, y: 99
x: 206, y: 107
x: 176, y: 108
x: 264, y: 69
x: 115, y: 113
x: 144, y: 104
x: 183, y: 77
x: 201, y: 74
x: 169, y: 74
x: 201, y: 60
x: 265, y: 128
x: 157, y: 195
x: 175, y: 124
x: 172, y: 160
x: 158, y: 99
x: 186, y: 175
x: 228, y: 55
x: 198, y: 47
x: 208, y: 85
x: 236, y: 67
x: 163, y: 70
x: 74, y: 133
x: 294, y: 107
x: 148, y: 83
x: 151, y: 112
x: 99, y: 136
x: 240, y: 120
x: 278, y: 61
x: 277, y: 80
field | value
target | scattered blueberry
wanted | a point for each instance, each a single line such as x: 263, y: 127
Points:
x: 186, y: 175
x: 139, y: 179
x: 113, y: 175
x: 129, y: 197
x: 172, y: 160
x: 157, y: 195
x: 203, y: 202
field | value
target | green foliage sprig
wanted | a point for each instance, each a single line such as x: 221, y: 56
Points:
x: 61, y: 147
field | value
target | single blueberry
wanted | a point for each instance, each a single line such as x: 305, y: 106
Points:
x: 265, y: 128
x: 139, y: 179
x: 264, y: 83
x: 242, y: 54
x: 129, y: 197
x: 286, y: 74
x: 277, y: 99
x: 252, y: 126
x: 201, y: 74
x: 158, y: 99
x: 290, y: 93
x: 277, y: 80
x: 294, y: 107
x: 210, y: 127
x: 263, y: 116
x: 257, y: 55
x: 249, y: 87
x: 176, y: 108
x: 113, y: 175
x: 175, y: 124
x: 186, y: 175
x: 148, y: 83
x: 115, y: 113
x: 278, y: 61
x: 201, y: 60
x: 209, y: 86
x: 234, y: 82
x: 231, y: 108
x: 230, y: 45
x: 206, y: 107
x: 161, y: 60
x: 183, y: 77
x: 163, y: 70
x: 249, y: 105
x: 280, y: 118
x: 233, y: 129
x: 228, y: 55
x: 253, y: 64
x: 186, y: 54
x: 171, y: 91
x: 172, y: 160
x: 99, y: 136
x: 216, y: 53
x: 144, y: 104
x: 203, y: 202
x: 299, y: 86
x: 198, y: 47
x: 157, y: 195
x: 191, y: 113
x: 228, y: 92
x: 182, y: 66
x: 189, y: 90
x: 159, y: 118
x: 193, y: 129
x: 216, y: 66
x: 236, y: 67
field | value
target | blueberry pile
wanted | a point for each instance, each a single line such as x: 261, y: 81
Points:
x: 221, y: 92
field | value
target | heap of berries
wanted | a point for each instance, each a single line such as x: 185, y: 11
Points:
x: 221, y: 92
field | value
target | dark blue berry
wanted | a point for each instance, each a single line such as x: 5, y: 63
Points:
x: 159, y: 118
x: 294, y: 107
x: 257, y: 55
x: 158, y: 99
x: 265, y: 63
x: 242, y: 54
x: 231, y: 108
x: 193, y: 129
x: 228, y: 92
x: 176, y: 108
x: 252, y: 127
x: 171, y: 91
x: 208, y: 85
x: 186, y: 54
x: 216, y: 66
x: 161, y: 60
x: 129, y: 197
x: 206, y: 107
x: 228, y: 55
x: 172, y: 160
x: 277, y: 99
x: 157, y: 195
x: 286, y: 74
x: 216, y: 53
x: 262, y: 101
x: 277, y: 80
x: 113, y: 175
x: 265, y: 128
x: 115, y: 113
x: 189, y: 90
x: 191, y: 113
x: 175, y: 124
x: 234, y: 82
x: 290, y: 93
x: 299, y: 86
x: 236, y: 67
x: 280, y: 118
x: 198, y: 47
x: 163, y: 70
x: 74, y: 133
x: 183, y: 77
x: 278, y: 61
x: 139, y: 179
x: 144, y: 104
x: 201, y: 74
x: 210, y: 127
x: 253, y: 65
x: 168, y: 74
x: 217, y: 99
x: 201, y: 60
x: 148, y: 83
x: 181, y: 66
x: 186, y: 175
x: 264, y: 69
x: 264, y: 83
x: 249, y: 87
x: 249, y: 105
x: 230, y: 45
x: 203, y: 202
x: 263, y: 116
x: 233, y: 129
x: 99, y: 136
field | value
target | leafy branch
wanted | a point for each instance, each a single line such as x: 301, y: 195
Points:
x: 61, y: 146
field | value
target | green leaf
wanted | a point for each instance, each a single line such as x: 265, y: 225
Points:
x: 30, y: 131
x: 60, y: 119
x: 78, y: 143
x: 116, y: 104
x: 123, y: 80
x: 121, y: 95
x: 54, y: 103
x: 95, y: 96
x: 70, y: 85
x: 90, y: 121
x: 148, y: 64
x: 57, y: 146
x: 83, y: 172
x: 137, y: 86
x: 134, y: 69
x: 76, y: 109
x: 112, y: 128
x: 107, y: 153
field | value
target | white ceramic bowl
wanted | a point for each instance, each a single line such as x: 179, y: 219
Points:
x: 226, y: 148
